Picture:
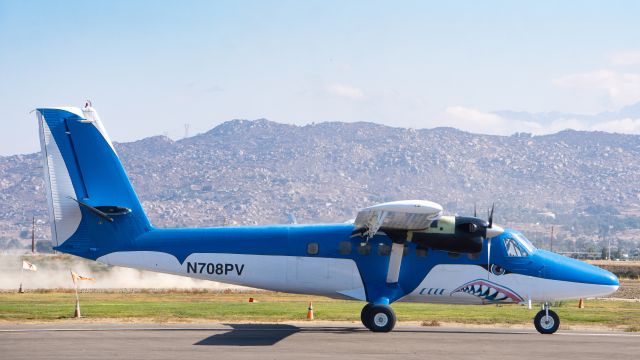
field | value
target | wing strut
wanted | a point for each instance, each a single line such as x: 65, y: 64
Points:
x: 395, y: 261
x: 399, y: 238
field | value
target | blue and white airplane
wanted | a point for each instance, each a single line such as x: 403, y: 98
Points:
x: 397, y: 251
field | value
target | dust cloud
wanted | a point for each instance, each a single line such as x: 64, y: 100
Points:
x: 54, y: 273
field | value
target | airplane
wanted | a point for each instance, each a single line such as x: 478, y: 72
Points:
x: 396, y: 251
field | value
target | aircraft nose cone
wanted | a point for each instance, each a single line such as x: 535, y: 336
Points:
x: 609, y: 278
x: 567, y: 269
x: 576, y: 279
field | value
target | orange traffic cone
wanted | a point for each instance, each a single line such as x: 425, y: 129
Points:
x: 581, y: 304
x: 310, y: 311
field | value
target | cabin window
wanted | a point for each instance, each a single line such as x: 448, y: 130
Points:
x: 473, y: 256
x: 421, y: 252
x: 453, y: 255
x: 384, y: 250
x: 364, y: 249
x: 312, y: 248
x: 344, y: 247
x: 514, y: 249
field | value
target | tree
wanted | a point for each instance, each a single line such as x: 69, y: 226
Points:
x: 44, y: 246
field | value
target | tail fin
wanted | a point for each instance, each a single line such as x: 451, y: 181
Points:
x: 92, y: 205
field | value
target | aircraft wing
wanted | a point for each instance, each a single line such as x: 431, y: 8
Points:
x: 396, y: 216
x: 408, y: 215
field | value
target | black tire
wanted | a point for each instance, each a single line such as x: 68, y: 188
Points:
x: 381, y: 318
x: 364, y: 315
x: 546, y: 325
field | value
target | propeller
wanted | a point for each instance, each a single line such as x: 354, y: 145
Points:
x: 488, y: 258
x: 493, y: 206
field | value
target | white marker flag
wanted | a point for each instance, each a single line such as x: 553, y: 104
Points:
x: 29, y: 266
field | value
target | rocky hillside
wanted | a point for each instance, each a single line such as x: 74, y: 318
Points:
x: 255, y: 172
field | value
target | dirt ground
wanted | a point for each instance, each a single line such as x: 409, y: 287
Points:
x: 623, y: 269
x: 629, y: 289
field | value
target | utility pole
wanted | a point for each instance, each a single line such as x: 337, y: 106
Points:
x: 33, y: 235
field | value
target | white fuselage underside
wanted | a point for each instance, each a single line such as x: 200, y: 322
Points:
x: 340, y: 278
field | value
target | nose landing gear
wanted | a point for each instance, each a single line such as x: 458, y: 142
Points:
x: 546, y: 321
x: 378, y: 318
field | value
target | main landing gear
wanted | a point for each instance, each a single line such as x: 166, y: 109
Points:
x: 546, y: 321
x: 378, y: 318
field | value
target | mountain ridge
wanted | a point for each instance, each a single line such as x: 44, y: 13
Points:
x: 256, y: 171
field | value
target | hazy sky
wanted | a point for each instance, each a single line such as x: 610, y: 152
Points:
x: 151, y: 66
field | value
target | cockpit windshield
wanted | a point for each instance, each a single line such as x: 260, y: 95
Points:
x: 525, y: 242
x: 518, y: 246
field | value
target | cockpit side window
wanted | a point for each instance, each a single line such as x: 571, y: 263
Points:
x: 514, y: 248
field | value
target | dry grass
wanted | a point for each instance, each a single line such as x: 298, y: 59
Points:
x: 201, y: 305
x: 430, y: 323
x: 633, y: 328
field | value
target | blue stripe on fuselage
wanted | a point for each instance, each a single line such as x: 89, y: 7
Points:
x: 285, y: 240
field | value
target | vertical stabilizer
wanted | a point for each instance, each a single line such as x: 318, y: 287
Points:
x: 92, y: 205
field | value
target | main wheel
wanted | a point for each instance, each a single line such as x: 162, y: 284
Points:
x: 364, y: 315
x: 546, y: 324
x: 380, y: 318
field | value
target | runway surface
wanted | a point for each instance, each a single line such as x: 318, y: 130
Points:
x: 302, y: 341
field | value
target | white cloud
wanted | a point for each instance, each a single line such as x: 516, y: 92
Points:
x: 477, y: 121
x: 625, y: 126
x: 345, y: 91
x: 625, y: 58
x: 621, y: 89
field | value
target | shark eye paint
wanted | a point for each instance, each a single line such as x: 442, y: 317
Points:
x: 497, y: 270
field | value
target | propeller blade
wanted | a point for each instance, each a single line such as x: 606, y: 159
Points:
x: 489, y: 233
x: 475, y: 213
x: 491, y: 214
x: 488, y: 258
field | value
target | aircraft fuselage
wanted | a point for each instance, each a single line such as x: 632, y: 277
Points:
x: 328, y: 260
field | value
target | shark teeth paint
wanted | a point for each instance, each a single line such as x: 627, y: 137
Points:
x: 489, y: 291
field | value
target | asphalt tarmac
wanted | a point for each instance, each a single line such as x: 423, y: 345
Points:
x: 303, y: 341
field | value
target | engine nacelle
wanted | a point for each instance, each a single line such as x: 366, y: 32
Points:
x: 454, y: 234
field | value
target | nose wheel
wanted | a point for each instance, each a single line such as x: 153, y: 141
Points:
x: 546, y: 321
x: 378, y: 318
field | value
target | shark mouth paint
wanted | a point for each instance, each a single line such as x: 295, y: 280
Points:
x: 489, y: 291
